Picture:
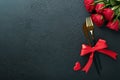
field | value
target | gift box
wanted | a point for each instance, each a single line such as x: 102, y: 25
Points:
x: 41, y: 40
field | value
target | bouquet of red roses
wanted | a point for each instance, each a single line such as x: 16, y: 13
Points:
x: 104, y: 11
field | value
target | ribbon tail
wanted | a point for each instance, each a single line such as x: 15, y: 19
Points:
x: 89, y: 63
x: 109, y: 53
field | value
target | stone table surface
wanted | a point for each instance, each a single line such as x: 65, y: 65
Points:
x: 41, y: 40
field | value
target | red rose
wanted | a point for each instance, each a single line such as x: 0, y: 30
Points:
x: 108, y: 14
x: 97, y: 19
x: 89, y: 5
x: 114, y: 25
x: 99, y: 7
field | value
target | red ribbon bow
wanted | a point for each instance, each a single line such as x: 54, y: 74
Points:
x: 99, y: 47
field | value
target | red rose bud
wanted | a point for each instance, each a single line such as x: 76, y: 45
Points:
x: 99, y: 7
x: 114, y: 25
x: 97, y: 19
x: 89, y: 5
x: 108, y: 14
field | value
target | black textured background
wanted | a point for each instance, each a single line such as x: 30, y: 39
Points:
x: 41, y: 40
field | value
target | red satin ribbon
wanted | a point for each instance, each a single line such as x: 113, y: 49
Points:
x: 99, y: 47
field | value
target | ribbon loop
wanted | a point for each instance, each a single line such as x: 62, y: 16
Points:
x: 100, y: 47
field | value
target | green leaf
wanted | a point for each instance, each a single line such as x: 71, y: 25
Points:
x: 106, y: 1
x: 118, y: 0
x: 113, y: 2
x: 119, y: 17
x: 117, y: 11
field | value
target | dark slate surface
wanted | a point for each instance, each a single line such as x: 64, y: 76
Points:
x: 41, y: 40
